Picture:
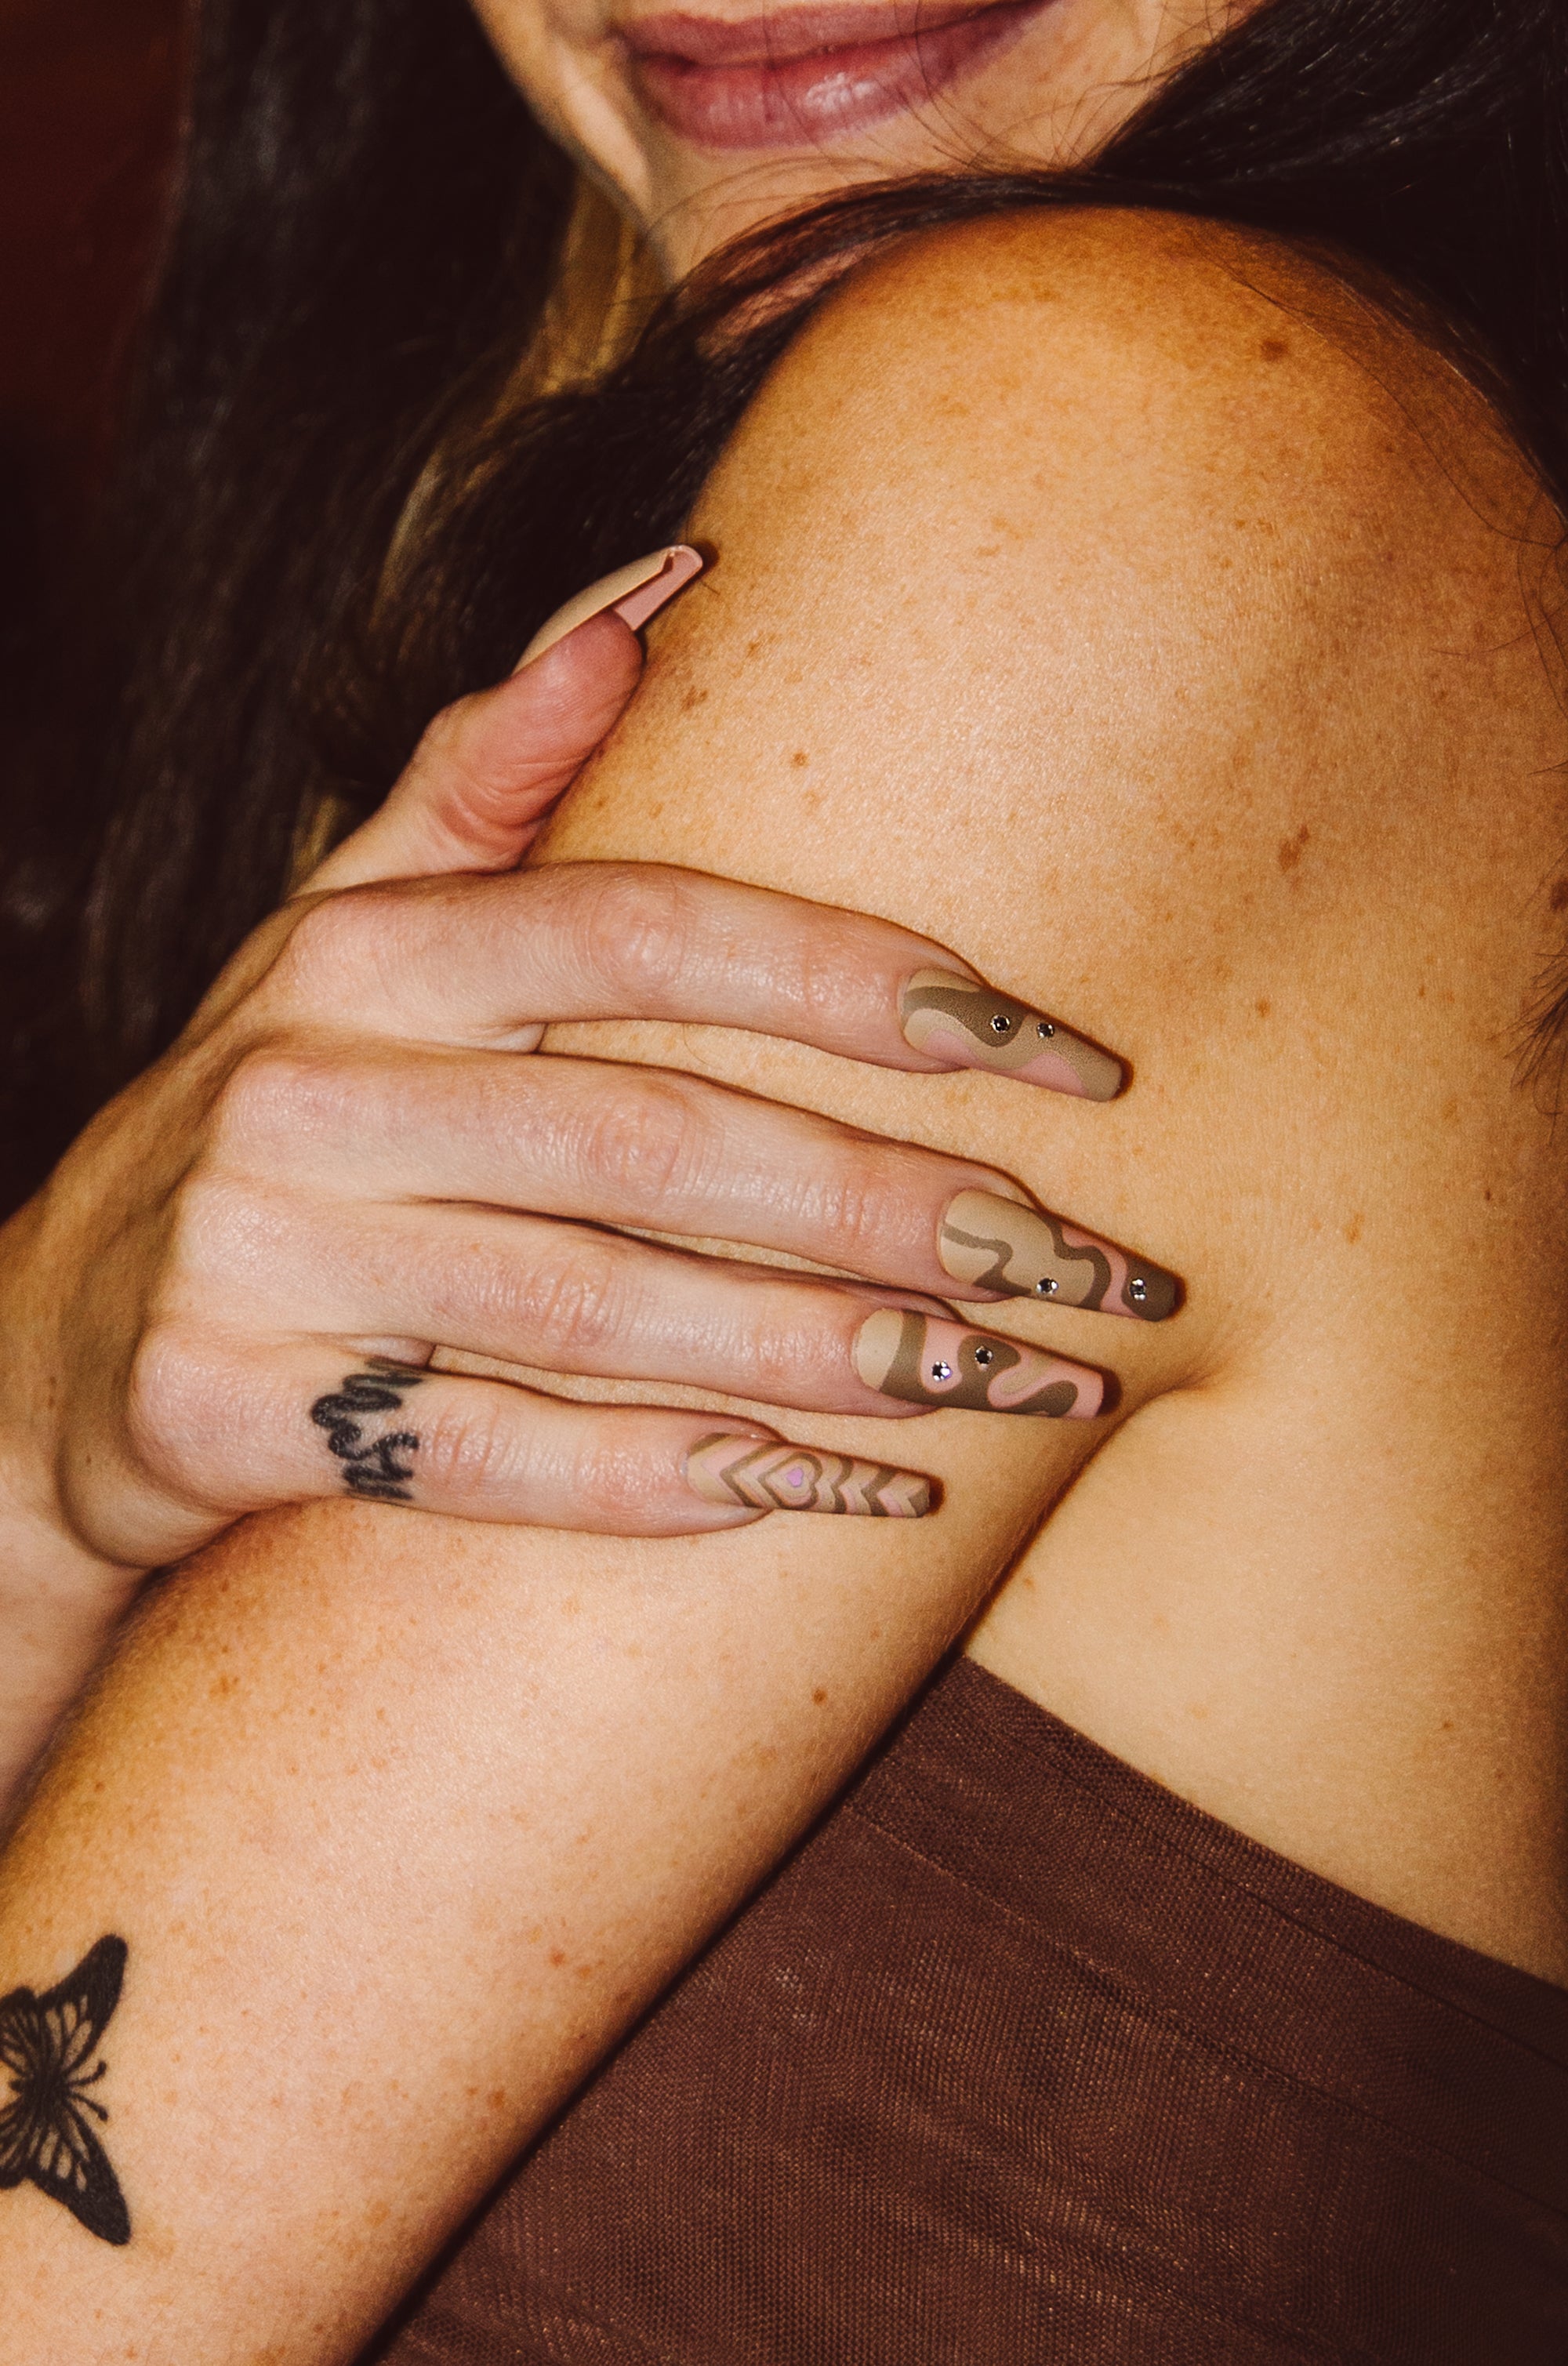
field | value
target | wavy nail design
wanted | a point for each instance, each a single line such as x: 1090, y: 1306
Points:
x: 1002, y: 1246
x: 922, y: 1360
x: 970, y: 1024
x: 766, y: 1477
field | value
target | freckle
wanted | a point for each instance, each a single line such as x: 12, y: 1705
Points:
x: 558, y: 1956
x: 1353, y: 1230
x: 1290, y: 849
x: 1486, y: 1194
x: 378, y: 2214
x: 1264, y: 1007
x: 819, y: 1696
x: 1559, y: 897
x: 1274, y: 349
x: 1198, y: 1710
x: 800, y: 757
x: 695, y: 698
x: 1448, y: 1725
x: 1450, y: 1109
x: 497, y: 2099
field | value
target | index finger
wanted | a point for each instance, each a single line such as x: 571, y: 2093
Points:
x: 491, y: 961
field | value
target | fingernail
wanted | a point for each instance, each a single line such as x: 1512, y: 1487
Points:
x: 923, y: 1360
x: 969, y: 1024
x: 1001, y: 1245
x: 635, y: 594
x: 766, y: 1477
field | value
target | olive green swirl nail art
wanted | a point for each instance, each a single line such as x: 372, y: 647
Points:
x: 922, y: 1359
x: 999, y: 1244
x: 969, y: 1025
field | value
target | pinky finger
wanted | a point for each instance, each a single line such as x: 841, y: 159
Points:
x: 482, y: 1450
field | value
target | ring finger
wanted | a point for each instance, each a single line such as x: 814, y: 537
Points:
x: 565, y: 1298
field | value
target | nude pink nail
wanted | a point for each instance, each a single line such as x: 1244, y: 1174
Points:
x: 635, y: 594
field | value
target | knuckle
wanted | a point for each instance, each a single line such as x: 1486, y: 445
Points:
x: 645, y: 1143
x: 614, y: 1482
x: 172, y: 1385
x: 633, y: 933
x: 447, y: 736
x: 851, y: 1206
x: 333, y: 943
x: 789, y: 1350
x: 277, y: 1091
x: 572, y: 1311
x: 466, y: 1448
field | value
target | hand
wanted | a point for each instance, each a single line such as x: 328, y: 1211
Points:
x: 228, y: 1295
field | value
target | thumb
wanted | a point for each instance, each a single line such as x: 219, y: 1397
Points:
x: 488, y: 769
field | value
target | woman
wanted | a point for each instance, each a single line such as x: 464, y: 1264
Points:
x: 1118, y: 598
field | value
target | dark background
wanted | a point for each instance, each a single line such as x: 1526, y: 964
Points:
x: 88, y: 111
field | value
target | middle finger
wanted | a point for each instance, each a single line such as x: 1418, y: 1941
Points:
x: 561, y: 1298
x: 679, y: 1154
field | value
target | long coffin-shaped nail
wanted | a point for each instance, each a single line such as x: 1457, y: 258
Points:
x: 766, y: 1477
x: 970, y: 1025
x: 924, y: 1360
x: 1001, y: 1245
x: 635, y: 594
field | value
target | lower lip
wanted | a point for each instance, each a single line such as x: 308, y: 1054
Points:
x: 804, y: 102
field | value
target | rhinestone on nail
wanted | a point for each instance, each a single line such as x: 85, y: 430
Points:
x: 942, y: 1371
x: 985, y: 1355
x: 1001, y: 1023
x: 1047, y: 1286
x: 1044, y: 1027
x: 1137, y: 1290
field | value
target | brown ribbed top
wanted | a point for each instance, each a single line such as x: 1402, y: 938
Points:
x: 1021, y: 2059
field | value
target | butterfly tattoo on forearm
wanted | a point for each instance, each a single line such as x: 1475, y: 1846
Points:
x: 47, y: 2044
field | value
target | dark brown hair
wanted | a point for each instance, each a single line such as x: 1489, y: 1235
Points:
x: 368, y: 229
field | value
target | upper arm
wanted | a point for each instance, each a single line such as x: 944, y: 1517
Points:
x: 1090, y: 596
x: 1128, y: 604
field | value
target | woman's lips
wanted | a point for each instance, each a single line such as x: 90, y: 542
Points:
x: 799, y: 76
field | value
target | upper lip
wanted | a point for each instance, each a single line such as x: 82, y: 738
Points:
x: 787, y: 33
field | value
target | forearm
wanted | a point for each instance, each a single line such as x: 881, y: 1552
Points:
x: 60, y: 1602
x: 402, y: 1824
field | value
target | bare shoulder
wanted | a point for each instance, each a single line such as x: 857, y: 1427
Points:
x: 1138, y: 609
x: 1175, y: 395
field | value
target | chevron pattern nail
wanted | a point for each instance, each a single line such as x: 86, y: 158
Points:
x: 764, y: 1476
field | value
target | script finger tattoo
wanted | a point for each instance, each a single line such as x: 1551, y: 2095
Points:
x: 375, y: 1467
x: 47, y: 2049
